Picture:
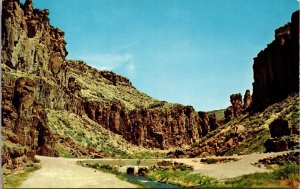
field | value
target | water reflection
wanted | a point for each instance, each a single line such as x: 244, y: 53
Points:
x: 152, y: 184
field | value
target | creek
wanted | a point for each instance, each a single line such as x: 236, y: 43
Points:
x: 147, y: 182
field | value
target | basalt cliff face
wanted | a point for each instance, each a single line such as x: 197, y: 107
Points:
x: 276, y: 68
x: 36, y: 80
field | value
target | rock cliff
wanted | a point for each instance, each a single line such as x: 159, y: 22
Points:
x: 276, y: 68
x: 37, y: 79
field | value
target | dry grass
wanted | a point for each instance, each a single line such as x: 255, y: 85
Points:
x: 100, y: 89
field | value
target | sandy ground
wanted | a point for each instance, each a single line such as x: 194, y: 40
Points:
x: 64, y: 173
x: 230, y: 169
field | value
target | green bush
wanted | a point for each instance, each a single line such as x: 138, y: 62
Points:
x: 107, y: 167
x: 68, y: 133
x: 182, y: 167
x: 182, y: 178
x: 68, y: 155
x: 288, y: 171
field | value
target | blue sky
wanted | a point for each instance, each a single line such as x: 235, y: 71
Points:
x: 193, y: 52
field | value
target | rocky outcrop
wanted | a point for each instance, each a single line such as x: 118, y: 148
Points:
x: 238, y: 105
x: 284, y: 143
x: 30, y: 43
x: 280, y: 159
x: 279, y: 127
x: 282, y: 137
x: 247, y: 100
x: 276, y: 68
x: 176, y: 126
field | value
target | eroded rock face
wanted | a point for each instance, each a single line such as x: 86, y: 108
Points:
x: 213, y: 122
x: 205, y: 122
x: 208, y: 122
x: 24, y: 96
x: 30, y: 45
x: 24, y: 124
x: 276, y: 68
x: 148, y: 127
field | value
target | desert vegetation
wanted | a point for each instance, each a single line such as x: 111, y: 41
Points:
x: 15, y: 179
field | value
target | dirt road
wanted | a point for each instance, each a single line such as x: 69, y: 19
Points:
x: 64, y: 173
x: 231, y: 169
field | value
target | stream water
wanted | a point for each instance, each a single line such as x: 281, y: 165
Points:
x: 147, y: 182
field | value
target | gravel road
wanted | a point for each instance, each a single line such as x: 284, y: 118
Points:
x: 64, y: 173
x: 231, y: 169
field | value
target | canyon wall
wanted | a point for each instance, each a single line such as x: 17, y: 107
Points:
x: 276, y: 68
x: 36, y: 78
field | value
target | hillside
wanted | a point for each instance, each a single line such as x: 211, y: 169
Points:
x: 249, y: 132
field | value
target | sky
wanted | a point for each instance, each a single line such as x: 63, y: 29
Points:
x: 192, y: 52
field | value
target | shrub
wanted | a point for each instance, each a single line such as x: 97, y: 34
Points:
x: 211, y: 161
x: 182, y: 167
x: 78, y: 138
x: 107, y: 167
x: 288, y: 171
x: 68, y: 155
x: 195, y: 144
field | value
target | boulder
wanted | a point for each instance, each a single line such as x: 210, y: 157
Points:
x: 276, y: 145
x: 279, y: 127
